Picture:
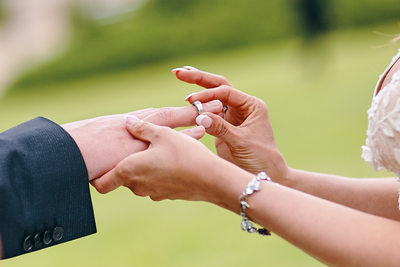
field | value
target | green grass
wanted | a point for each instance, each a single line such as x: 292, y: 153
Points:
x: 317, y: 94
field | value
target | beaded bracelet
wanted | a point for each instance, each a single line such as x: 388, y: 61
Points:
x: 253, y: 186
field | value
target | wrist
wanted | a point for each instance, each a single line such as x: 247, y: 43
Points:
x: 289, y: 178
x: 275, y: 166
x: 69, y: 128
x: 78, y: 137
x: 227, y: 184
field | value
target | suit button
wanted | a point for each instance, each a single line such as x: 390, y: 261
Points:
x: 28, y: 243
x: 47, y: 237
x: 58, y: 233
x: 37, y: 240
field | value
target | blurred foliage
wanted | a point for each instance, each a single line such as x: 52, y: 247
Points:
x: 175, y: 28
x: 2, y: 12
x: 356, y: 13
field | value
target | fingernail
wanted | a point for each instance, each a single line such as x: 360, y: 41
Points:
x: 189, y: 96
x: 131, y: 119
x: 198, y: 129
x: 189, y: 68
x: 214, y: 104
x: 204, y: 120
x: 177, y: 70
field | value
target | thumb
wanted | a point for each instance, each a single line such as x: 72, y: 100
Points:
x: 196, y: 132
x: 142, y: 130
x: 125, y: 170
x: 216, y: 126
x: 107, y: 183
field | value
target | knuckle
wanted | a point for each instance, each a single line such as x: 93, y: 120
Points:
x: 165, y: 115
x: 156, y: 198
x: 163, y: 131
x: 138, y: 190
x: 151, y: 109
x: 123, y: 171
x: 140, y: 111
x: 222, y: 78
x: 260, y: 104
x: 220, y: 130
x: 225, y: 87
x: 200, y: 79
x: 100, y: 187
x: 224, y: 90
x: 259, y: 101
x: 139, y: 128
x: 162, y: 111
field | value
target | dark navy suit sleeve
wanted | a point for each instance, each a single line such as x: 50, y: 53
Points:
x: 44, y: 189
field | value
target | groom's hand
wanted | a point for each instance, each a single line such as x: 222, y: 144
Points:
x: 104, y: 141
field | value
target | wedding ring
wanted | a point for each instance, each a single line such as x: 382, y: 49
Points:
x: 225, y: 108
x: 199, y: 106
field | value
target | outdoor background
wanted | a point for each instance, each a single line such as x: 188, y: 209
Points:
x: 315, y: 63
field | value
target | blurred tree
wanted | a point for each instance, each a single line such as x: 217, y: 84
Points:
x: 2, y: 13
x: 163, y: 29
x: 315, y: 19
x: 314, y: 15
x: 174, y: 6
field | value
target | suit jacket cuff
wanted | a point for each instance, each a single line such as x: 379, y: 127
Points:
x: 44, y: 190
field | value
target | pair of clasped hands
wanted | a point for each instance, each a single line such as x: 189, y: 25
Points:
x: 140, y: 150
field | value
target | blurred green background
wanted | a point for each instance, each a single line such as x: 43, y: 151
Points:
x: 315, y: 63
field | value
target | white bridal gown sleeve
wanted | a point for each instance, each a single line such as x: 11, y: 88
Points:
x: 382, y: 148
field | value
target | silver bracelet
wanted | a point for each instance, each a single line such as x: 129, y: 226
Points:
x: 253, y: 186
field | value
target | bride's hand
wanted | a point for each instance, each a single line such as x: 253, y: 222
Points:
x: 243, y: 134
x: 175, y: 166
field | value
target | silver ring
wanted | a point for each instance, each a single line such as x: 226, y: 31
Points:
x: 225, y: 108
x: 199, y: 106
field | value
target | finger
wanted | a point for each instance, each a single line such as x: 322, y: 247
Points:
x: 141, y: 114
x: 226, y: 94
x: 181, y: 116
x: 217, y: 126
x: 202, y: 78
x: 196, y: 132
x: 142, y: 130
x: 119, y: 175
x: 138, y: 113
x: 213, y: 107
x: 106, y: 183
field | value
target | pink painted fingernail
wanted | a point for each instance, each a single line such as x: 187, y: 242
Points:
x: 177, y: 70
x: 204, y: 120
x: 189, y: 96
x: 131, y: 119
x: 189, y: 68
x: 214, y: 104
x: 198, y: 129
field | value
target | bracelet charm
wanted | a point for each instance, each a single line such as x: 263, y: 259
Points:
x: 253, y: 186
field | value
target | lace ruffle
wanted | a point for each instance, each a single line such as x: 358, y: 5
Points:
x: 382, y: 145
x: 382, y: 148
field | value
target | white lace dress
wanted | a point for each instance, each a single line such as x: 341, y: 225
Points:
x: 382, y: 148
